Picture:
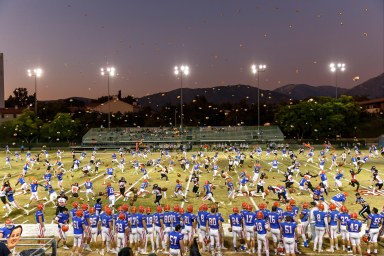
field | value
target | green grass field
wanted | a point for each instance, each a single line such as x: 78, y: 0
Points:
x: 220, y: 194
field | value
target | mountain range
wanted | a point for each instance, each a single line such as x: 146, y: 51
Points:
x: 373, y: 88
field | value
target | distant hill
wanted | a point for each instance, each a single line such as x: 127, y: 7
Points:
x: 87, y: 100
x: 373, y: 88
x: 217, y: 95
x: 302, y: 91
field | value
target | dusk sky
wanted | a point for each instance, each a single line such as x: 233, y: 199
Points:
x: 219, y: 41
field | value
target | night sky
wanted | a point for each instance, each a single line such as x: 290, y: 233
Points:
x: 219, y: 41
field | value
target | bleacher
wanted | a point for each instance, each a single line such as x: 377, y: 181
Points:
x: 124, y: 136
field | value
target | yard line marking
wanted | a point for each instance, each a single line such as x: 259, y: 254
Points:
x: 134, y: 184
x: 187, y: 189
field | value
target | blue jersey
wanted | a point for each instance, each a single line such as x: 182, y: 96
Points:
x: 285, y: 214
x: 72, y: 213
x: 339, y: 198
x: 21, y: 180
x: 47, y: 177
x: 249, y: 218
x: 295, y: 210
x: 279, y: 211
x: 110, y: 191
x: 320, y: 218
x: 10, y: 195
x: 110, y: 171
x: 121, y: 226
x: 207, y: 188
x: 62, y: 218
x: 261, y: 226
x: 323, y: 177
x: 34, y: 187
x: 94, y: 220
x: 189, y: 218
x: 86, y: 217
x: 140, y: 219
x: 302, y: 182
x: 144, y: 185
x: 59, y: 177
x: 157, y: 217
x: 339, y: 176
x: 106, y: 220
x: 202, y: 218
x: 134, y: 221
x: 375, y: 220
x: 344, y: 218
x: 37, y: 215
x: 83, y: 154
x: 354, y: 226
x: 98, y: 208
x: 213, y: 221
x: 288, y: 229
x: 78, y: 225
x: 236, y: 220
x: 88, y: 185
x: 305, y: 212
x: 273, y: 218
x: 167, y: 219
x: 174, y: 239
x: 149, y: 220
x: 244, y: 180
x: 257, y: 169
x: 6, y: 232
x: 7, y: 159
x: 334, y: 217
x: 175, y: 218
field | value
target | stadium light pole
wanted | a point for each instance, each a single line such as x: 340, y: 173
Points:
x: 257, y: 70
x: 36, y: 73
x: 335, y: 68
x: 183, y: 70
x: 108, y: 72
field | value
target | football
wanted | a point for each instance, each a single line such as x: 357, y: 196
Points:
x: 101, y: 193
x: 178, y: 175
x: 134, y: 190
x: 213, y: 187
x: 265, y: 177
x: 177, y: 181
x: 249, y: 166
x: 267, y: 202
x: 292, y: 190
x: 232, y: 169
x: 222, y: 175
x: 241, y: 165
x: 130, y: 183
x: 230, y: 229
x: 38, y: 168
x: 341, y: 163
x: 105, y: 151
x: 273, y: 177
x: 131, y: 202
x: 186, y: 179
x: 164, y: 189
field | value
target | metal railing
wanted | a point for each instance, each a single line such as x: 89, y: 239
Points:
x: 40, y: 249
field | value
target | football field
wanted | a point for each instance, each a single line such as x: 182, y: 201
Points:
x: 375, y: 199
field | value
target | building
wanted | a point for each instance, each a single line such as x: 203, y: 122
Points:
x: 2, y: 80
x: 373, y: 106
x: 12, y: 113
x: 115, y: 105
